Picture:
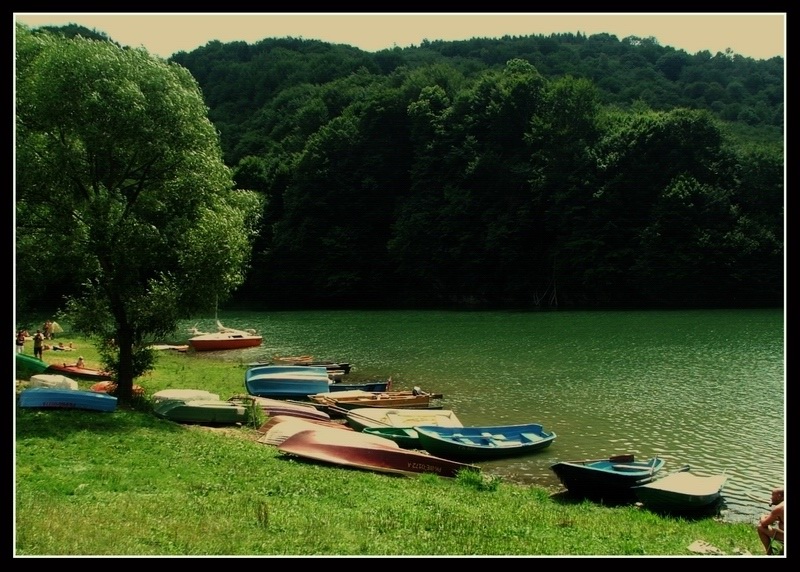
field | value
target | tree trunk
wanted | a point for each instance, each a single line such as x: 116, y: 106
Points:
x: 125, y: 374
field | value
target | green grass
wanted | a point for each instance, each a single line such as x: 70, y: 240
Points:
x: 130, y: 483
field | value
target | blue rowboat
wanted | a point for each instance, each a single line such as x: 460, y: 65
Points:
x: 484, y: 442
x: 609, y: 479
x: 60, y: 398
x: 286, y: 382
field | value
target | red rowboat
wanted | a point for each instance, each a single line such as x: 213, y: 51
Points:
x: 368, y: 452
x: 80, y: 372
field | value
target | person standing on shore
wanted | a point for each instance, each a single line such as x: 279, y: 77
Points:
x: 38, y: 344
x: 21, y: 335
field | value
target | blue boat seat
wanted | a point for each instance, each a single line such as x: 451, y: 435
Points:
x: 529, y: 437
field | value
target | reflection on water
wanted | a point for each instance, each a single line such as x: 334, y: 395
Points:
x: 703, y: 388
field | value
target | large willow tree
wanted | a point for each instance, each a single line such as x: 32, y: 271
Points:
x: 118, y: 165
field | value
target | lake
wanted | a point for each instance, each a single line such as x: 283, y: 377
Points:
x: 703, y: 387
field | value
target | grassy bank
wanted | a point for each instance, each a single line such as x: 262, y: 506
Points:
x: 129, y: 483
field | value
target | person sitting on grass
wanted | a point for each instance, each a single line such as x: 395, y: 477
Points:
x: 771, y: 526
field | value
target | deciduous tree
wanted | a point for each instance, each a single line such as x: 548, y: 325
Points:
x: 118, y: 162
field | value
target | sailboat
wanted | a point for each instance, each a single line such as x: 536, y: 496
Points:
x: 224, y: 339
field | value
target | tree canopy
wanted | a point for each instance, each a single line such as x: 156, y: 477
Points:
x: 118, y: 165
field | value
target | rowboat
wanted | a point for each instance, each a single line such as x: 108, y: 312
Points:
x: 60, y: 398
x: 609, y: 479
x: 363, y: 417
x: 334, y: 379
x: 29, y: 365
x: 285, y: 382
x: 484, y: 442
x: 278, y: 430
x: 329, y: 365
x: 85, y: 373
x: 53, y: 380
x: 356, y: 398
x: 308, y: 361
x: 681, y: 492
x: 339, y: 386
x: 182, y: 395
x: 406, y: 437
x: 278, y: 407
x: 110, y: 387
x: 201, y: 411
x: 367, y: 452
x: 272, y: 421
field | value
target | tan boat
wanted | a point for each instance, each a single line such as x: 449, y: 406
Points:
x: 363, y: 417
x: 356, y: 398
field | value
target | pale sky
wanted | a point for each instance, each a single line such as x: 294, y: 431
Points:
x: 753, y: 34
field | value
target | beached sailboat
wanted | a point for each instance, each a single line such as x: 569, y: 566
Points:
x: 224, y: 339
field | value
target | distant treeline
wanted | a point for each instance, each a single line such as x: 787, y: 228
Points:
x: 538, y: 171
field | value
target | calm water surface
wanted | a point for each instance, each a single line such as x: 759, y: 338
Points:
x: 703, y: 388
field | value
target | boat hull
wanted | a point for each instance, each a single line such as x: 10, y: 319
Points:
x: 484, y: 442
x: 366, y: 452
x: 278, y: 430
x: 285, y: 382
x: 681, y: 492
x: 183, y: 395
x: 607, y: 480
x: 80, y: 372
x: 60, y: 398
x: 406, y: 437
x: 397, y: 400
x: 366, y: 386
x: 220, y: 342
x: 29, y: 365
x: 201, y: 411
x: 276, y: 407
x: 53, y: 380
x: 364, y: 417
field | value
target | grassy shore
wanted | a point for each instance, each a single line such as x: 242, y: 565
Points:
x: 131, y: 484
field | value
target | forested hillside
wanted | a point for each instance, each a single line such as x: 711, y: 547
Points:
x: 539, y: 171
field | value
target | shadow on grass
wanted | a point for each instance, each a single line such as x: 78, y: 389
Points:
x: 55, y: 423
x: 695, y: 513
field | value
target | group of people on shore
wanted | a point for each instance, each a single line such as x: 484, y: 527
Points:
x: 42, y: 334
x: 46, y: 332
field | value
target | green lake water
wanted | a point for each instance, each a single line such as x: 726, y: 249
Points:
x: 704, y: 388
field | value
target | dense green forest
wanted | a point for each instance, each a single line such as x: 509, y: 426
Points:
x: 563, y: 171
